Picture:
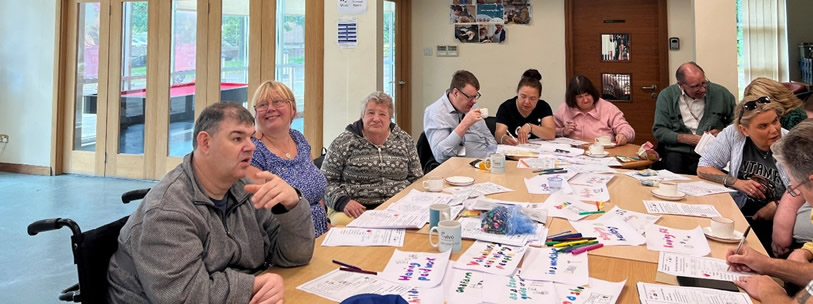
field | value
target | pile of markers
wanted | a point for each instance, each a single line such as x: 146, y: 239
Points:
x: 599, y: 206
x: 572, y: 242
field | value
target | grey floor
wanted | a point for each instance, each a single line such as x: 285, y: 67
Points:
x: 34, y: 269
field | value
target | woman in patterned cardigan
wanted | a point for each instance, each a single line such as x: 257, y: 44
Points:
x: 369, y: 162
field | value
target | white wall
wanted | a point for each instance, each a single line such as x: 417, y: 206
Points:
x: 26, y: 80
x: 800, y: 29
x: 680, y: 20
x: 715, y: 24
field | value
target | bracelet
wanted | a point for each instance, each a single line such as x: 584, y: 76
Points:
x: 502, y: 137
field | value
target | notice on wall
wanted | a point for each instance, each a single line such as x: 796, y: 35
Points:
x: 347, y: 33
x: 352, y: 7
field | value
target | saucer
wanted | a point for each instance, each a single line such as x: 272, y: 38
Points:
x: 600, y: 155
x: 459, y: 180
x: 657, y: 193
x: 735, y: 238
x: 607, y: 145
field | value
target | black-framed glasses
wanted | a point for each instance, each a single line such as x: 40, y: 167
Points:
x: 751, y: 105
x: 794, y: 190
x: 470, y: 97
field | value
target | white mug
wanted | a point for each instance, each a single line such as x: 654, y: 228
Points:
x: 596, y: 149
x: 604, y: 140
x: 668, y: 188
x: 433, y: 183
x: 495, y: 163
x: 484, y: 112
x: 722, y: 227
x: 449, y: 236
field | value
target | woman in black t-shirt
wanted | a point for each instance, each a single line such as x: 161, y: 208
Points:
x: 525, y: 116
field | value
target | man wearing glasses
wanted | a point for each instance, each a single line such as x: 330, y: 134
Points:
x: 793, y: 150
x: 454, y: 124
x: 684, y: 112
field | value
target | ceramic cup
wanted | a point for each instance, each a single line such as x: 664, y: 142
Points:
x: 484, y: 112
x: 449, y: 236
x: 667, y: 188
x: 596, y: 149
x: 496, y: 163
x: 604, y: 140
x: 433, y: 183
x: 438, y: 213
x: 722, y: 227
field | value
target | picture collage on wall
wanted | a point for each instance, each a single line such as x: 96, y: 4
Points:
x: 483, y: 21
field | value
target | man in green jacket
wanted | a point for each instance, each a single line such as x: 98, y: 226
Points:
x: 684, y: 112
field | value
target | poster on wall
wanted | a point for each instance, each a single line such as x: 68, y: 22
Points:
x: 483, y: 21
x: 352, y: 7
x: 347, y: 33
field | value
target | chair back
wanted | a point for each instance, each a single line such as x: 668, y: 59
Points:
x: 91, y: 253
x: 428, y: 161
x: 491, y: 123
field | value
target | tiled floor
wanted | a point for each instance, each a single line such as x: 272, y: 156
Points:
x: 34, y: 269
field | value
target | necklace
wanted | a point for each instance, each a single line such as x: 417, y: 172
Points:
x: 287, y: 147
x: 764, y: 156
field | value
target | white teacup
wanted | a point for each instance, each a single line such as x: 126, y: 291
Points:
x: 668, y: 188
x: 604, y: 140
x: 722, y: 227
x: 433, y: 183
x: 484, y: 112
x: 596, y: 149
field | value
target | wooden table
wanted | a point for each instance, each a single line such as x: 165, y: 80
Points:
x: 613, y: 263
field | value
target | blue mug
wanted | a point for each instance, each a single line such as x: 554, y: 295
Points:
x: 437, y: 213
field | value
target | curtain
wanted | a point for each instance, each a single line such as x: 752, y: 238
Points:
x: 765, y: 43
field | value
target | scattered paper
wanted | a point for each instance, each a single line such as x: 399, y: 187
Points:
x: 390, y: 219
x: 636, y: 220
x: 536, y: 163
x: 598, y: 292
x: 418, y: 202
x: 612, y: 232
x: 567, y: 141
x: 697, y: 267
x: 539, y: 184
x: 416, y: 269
x: 566, y: 206
x: 662, y: 176
x: 689, y: 242
x: 591, y: 168
x: 545, y: 264
x: 466, y: 287
x: 491, y: 258
x: 664, y: 207
x: 430, y: 295
x: 702, y: 188
x: 661, y: 294
x: 705, y: 141
x: 339, y: 285
x: 363, y: 237
x: 515, y: 289
x: 591, y: 192
x: 487, y: 188
x: 509, y: 150
x: 471, y: 229
x: 591, y: 179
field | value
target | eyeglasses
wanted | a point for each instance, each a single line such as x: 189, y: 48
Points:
x: 704, y: 84
x: 470, y: 97
x: 279, y: 103
x: 752, y: 105
x: 794, y: 190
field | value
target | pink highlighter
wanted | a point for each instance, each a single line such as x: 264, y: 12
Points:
x: 586, y: 248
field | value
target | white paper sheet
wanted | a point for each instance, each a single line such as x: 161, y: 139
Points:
x: 416, y: 269
x: 491, y: 258
x: 663, y: 175
x: 567, y: 141
x: 430, y: 295
x: 515, y: 289
x: 390, y: 219
x: 697, y: 267
x: 598, y: 292
x: 591, y: 168
x: 611, y: 232
x: 418, y: 202
x: 487, y: 188
x: 636, y: 220
x: 545, y: 264
x: 702, y: 188
x: 591, y: 179
x: 509, y: 150
x: 363, y: 237
x: 466, y: 287
x: 591, y: 193
x: 667, y: 294
x: 339, y: 285
x: 537, y: 163
x: 471, y: 230
x: 689, y: 242
x: 539, y: 184
x: 705, y: 141
x: 664, y: 207
x: 566, y: 206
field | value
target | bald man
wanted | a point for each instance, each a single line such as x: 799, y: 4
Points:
x: 685, y: 111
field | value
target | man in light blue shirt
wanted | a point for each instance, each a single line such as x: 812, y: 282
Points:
x: 453, y: 124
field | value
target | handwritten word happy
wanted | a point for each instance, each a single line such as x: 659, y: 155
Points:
x: 423, y: 272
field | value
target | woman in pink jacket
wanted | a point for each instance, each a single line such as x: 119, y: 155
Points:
x: 586, y: 116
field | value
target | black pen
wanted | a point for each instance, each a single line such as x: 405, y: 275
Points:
x: 744, y: 235
x: 358, y: 270
x: 346, y: 265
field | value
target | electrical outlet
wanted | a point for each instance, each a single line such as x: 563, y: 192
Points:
x: 3, y: 138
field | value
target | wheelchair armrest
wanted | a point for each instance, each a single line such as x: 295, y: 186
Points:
x: 52, y: 224
x: 130, y: 196
x: 71, y: 294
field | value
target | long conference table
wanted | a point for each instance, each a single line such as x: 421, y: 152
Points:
x: 611, y: 263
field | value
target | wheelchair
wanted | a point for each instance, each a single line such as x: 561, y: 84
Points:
x: 91, y: 252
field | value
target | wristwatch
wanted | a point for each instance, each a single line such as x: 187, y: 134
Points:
x: 809, y: 288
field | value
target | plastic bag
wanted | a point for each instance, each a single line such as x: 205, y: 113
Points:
x: 507, y: 220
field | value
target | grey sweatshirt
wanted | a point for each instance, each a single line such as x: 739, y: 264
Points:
x: 177, y: 247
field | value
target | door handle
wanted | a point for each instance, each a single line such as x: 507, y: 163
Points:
x: 650, y: 88
x: 401, y: 82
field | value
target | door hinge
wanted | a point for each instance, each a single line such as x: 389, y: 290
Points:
x: 105, y: 157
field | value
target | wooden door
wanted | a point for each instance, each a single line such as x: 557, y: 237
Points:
x: 639, y: 60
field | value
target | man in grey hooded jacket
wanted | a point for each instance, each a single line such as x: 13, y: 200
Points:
x: 201, y: 233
